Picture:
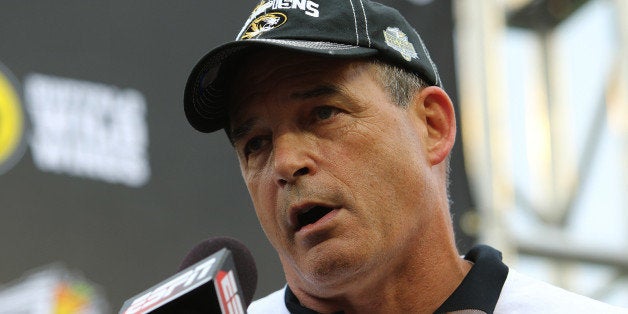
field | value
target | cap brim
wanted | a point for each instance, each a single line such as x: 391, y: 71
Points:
x: 203, y: 97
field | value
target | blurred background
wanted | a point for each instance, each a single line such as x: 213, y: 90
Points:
x: 104, y: 187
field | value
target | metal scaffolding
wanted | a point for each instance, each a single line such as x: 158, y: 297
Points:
x: 558, y: 167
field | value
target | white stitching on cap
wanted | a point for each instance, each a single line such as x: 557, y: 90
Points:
x: 427, y: 54
x: 355, y: 22
x: 308, y: 44
x: 366, y: 24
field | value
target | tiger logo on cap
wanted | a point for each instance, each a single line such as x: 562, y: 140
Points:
x: 264, y: 23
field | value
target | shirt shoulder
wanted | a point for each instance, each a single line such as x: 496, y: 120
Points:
x: 523, y: 294
x: 272, y: 303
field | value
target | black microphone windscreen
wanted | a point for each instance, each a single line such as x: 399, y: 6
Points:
x: 242, y: 258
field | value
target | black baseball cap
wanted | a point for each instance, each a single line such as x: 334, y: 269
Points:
x: 333, y: 28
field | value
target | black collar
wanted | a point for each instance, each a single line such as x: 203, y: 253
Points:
x: 479, y: 290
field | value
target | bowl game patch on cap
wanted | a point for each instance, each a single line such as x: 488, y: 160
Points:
x: 396, y: 39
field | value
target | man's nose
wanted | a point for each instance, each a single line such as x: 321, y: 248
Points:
x: 292, y: 158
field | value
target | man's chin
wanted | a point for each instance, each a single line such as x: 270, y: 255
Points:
x: 328, y: 268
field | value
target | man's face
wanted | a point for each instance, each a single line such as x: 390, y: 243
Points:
x: 338, y: 174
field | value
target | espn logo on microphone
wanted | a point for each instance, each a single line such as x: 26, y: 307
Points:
x: 230, y: 300
x: 171, y: 289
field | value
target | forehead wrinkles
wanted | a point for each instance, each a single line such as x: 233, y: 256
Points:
x: 260, y: 83
x: 264, y: 77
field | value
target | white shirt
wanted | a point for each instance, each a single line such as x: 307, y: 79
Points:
x: 520, y: 294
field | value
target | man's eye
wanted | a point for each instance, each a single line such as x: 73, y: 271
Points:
x: 254, y: 145
x: 325, y: 112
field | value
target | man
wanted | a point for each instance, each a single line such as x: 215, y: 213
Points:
x: 343, y: 133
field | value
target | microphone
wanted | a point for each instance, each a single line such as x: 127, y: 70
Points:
x: 242, y: 257
x: 207, y: 282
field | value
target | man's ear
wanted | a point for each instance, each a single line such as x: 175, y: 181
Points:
x: 435, y: 109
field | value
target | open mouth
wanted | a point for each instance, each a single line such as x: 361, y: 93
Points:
x: 312, y: 215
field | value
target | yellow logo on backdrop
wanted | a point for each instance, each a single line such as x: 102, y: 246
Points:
x: 11, y: 123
